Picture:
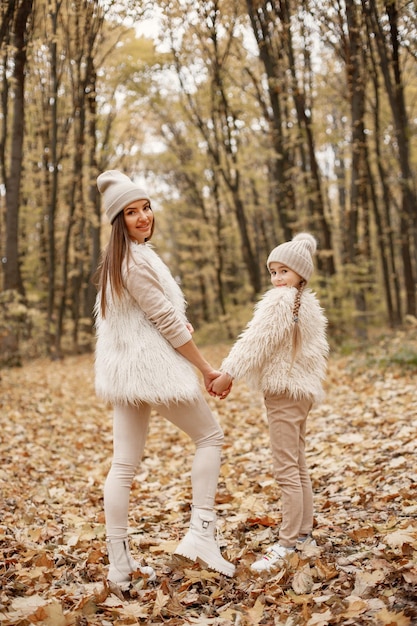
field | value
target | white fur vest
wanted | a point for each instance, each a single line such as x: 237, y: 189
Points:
x: 263, y: 352
x: 134, y: 361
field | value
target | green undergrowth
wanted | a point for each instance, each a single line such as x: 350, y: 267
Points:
x: 386, y: 350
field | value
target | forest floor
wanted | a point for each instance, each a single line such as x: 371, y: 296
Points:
x: 55, y: 451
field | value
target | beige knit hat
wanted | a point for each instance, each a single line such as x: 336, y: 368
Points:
x: 296, y: 254
x: 118, y: 191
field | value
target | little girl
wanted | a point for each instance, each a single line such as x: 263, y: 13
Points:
x: 283, y: 353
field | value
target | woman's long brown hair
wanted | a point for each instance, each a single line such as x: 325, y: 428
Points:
x: 109, y: 272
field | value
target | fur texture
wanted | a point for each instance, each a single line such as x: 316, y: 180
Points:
x: 134, y: 362
x: 263, y: 352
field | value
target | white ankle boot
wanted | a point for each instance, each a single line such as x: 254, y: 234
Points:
x: 122, y: 564
x: 199, y: 543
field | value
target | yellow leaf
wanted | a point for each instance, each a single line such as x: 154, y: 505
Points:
x: 135, y: 610
x: 164, y: 546
x: 320, y: 619
x: 355, y: 608
x: 256, y: 612
x: 50, y: 615
x: 228, y: 614
x: 298, y: 599
x: 359, y: 534
x: 389, y: 618
x: 325, y: 571
x: 160, y: 601
x: 366, y: 580
x: 44, y: 560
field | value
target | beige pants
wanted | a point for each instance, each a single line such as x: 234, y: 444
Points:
x: 287, y: 426
x: 130, y: 429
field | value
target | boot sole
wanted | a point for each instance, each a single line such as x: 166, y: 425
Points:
x: 195, y: 558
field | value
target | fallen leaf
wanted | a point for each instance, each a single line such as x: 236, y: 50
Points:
x: 302, y: 582
x: 389, y: 618
x: 356, y: 606
x: 256, y: 612
x: 161, y: 600
x: 398, y: 538
x: 56, y: 448
x: 320, y: 619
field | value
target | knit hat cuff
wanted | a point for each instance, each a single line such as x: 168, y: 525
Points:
x: 296, y: 254
x: 118, y: 191
x: 122, y: 201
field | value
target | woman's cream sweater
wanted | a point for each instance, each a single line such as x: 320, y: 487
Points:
x: 136, y: 360
x: 263, y: 352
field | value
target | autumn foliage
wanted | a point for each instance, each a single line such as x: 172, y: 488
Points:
x: 56, y: 448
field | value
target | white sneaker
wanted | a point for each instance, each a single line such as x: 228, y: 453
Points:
x: 304, y: 541
x: 274, y: 555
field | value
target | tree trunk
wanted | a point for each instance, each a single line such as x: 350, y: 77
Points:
x: 383, y: 219
x: 355, y: 249
x: 94, y: 198
x: 53, y: 179
x: 310, y: 166
x: 264, y: 30
x: 391, y: 70
x: 12, y: 274
x: 7, y: 9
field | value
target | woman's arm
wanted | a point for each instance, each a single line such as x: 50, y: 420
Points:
x: 143, y: 284
x: 191, y: 352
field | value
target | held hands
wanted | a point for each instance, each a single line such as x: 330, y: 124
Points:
x: 221, y: 386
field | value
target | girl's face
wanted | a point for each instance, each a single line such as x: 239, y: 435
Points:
x: 138, y: 218
x: 282, y: 276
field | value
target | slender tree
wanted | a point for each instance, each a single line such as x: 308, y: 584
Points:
x: 21, y: 35
x: 388, y: 46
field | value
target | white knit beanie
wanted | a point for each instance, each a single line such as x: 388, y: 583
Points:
x: 296, y: 254
x: 118, y: 191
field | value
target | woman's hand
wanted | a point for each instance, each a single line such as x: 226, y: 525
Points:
x: 209, y: 378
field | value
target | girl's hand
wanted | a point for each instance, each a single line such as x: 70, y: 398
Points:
x: 190, y: 327
x: 222, y: 386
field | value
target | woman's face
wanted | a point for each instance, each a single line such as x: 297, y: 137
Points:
x: 138, y: 218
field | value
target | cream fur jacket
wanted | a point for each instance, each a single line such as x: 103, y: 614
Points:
x: 136, y: 360
x: 263, y: 352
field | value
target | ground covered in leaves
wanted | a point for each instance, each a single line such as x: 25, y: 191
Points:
x: 55, y: 452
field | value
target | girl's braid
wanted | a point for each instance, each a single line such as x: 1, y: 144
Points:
x: 296, y: 335
x: 297, y: 302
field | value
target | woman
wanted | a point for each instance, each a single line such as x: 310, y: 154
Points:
x: 145, y: 359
